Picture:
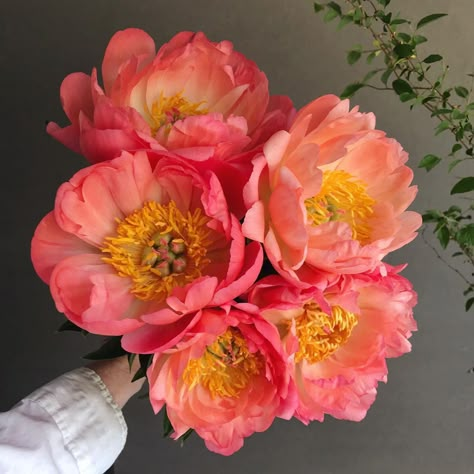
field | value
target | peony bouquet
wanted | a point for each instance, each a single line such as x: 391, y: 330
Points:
x: 233, y: 243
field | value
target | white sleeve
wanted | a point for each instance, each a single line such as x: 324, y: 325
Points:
x: 71, y: 425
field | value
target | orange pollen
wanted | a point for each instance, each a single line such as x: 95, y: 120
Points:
x: 165, y: 111
x: 158, y: 248
x: 320, y: 334
x: 342, y: 198
x: 226, y: 366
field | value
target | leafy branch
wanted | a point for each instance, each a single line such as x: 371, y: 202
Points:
x: 418, y: 80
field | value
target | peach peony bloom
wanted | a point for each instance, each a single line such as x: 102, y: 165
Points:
x: 192, y: 93
x: 339, y: 340
x: 126, y: 235
x: 228, y: 380
x: 329, y: 196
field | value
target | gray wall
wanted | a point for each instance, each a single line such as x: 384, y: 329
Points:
x: 422, y: 421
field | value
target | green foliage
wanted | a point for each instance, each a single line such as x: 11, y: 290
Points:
x: 109, y: 350
x: 418, y: 81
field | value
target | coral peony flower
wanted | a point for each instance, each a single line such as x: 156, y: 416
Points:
x: 229, y: 380
x: 192, y: 93
x: 126, y: 234
x: 339, y: 340
x: 329, y: 196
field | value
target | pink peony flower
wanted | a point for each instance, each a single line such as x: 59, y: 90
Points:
x: 126, y: 235
x: 228, y: 380
x: 329, y: 196
x: 192, y: 93
x: 339, y: 340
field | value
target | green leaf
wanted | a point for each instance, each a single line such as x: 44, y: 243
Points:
x: 441, y: 112
x: 334, y: 6
x: 469, y: 303
x: 370, y: 75
x: 399, y: 21
x: 470, y: 107
x: 145, y: 362
x: 453, y: 164
x: 400, y: 86
x: 370, y: 57
x: 432, y: 58
x: 444, y: 125
x: 345, y: 20
x: 428, y: 99
x: 456, y: 147
x: 443, y: 236
x: 463, y: 186
x: 351, y: 89
x: 461, y: 91
x: 69, y: 326
x: 418, y: 39
x: 318, y: 7
x: 457, y: 254
x: 185, y: 436
x: 353, y: 56
x: 330, y: 15
x: 403, y: 50
x: 357, y: 15
x: 428, y: 19
x: 385, y: 76
x: 465, y: 235
x: 131, y: 358
x: 458, y: 115
x: 432, y: 216
x: 167, y: 426
x: 429, y: 162
x: 383, y: 2
x: 109, y: 350
x: 404, y: 37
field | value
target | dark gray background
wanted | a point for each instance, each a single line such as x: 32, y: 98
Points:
x: 422, y: 421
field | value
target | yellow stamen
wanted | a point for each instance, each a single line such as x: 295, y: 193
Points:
x: 167, y: 110
x: 320, y: 334
x: 141, y: 249
x: 226, y: 366
x: 342, y: 198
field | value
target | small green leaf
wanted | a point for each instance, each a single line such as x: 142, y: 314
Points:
x: 330, y: 15
x: 383, y: 2
x: 109, y: 350
x: 357, y: 15
x: 432, y: 58
x: 432, y: 216
x: 167, y: 426
x: 406, y: 96
x: 334, y: 6
x: 385, y: 76
x: 443, y: 236
x: 370, y: 75
x: 463, y: 186
x: 456, y: 147
x: 318, y: 7
x: 453, y: 164
x: 428, y: 99
x: 470, y: 107
x: 461, y: 91
x: 370, y: 57
x: 399, y: 21
x: 403, y: 50
x: 351, y: 89
x: 418, y: 39
x: 458, y: 115
x: 457, y: 254
x: 441, y: 112
x: 400, y: 86
x: 345, y: 20
x: 353, y: 56
x: 469, y: 303
x: 145, y: 362
x: 429, y: 162
x: 428, y: 19
x: 404, y: 37
x: 444, y: 125
x: 69, y: 326
x: 185, y: 436
x: 131, y: 358
x: 465, y: 235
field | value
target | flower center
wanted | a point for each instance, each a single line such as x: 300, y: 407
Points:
x: 165, y: 111
x: 159, y: 248
x: 342, y: 198
x: 226, y: 366
x: 320, y: 334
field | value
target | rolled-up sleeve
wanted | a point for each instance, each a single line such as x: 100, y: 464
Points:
x: 71, y: 425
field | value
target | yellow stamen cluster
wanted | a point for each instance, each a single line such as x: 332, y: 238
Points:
x: 320, y: 334
x: 159, y: 248
x: 167, y: 110
x: 226, y: 366
x: 342, y: 198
